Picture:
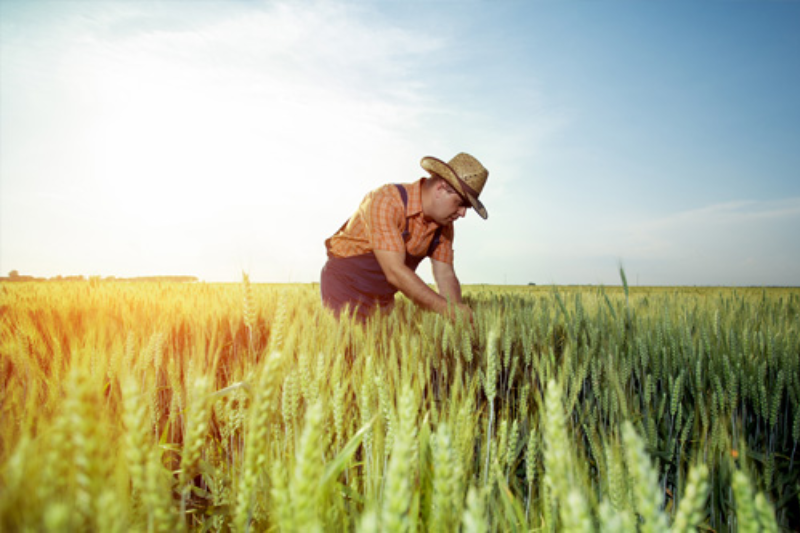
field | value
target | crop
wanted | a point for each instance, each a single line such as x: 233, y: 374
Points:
x: 249, y: 407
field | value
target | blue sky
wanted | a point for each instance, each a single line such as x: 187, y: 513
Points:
x: 208, y: 138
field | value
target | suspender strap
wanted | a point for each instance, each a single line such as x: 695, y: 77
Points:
x: 434, y: 242
x: 404, y: 196
x: 436, y: 236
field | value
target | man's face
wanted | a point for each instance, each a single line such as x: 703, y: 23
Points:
x: 448, y: 206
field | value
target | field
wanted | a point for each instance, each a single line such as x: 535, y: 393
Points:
x: 168, y: 406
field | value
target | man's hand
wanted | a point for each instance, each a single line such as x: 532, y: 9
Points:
x: 450, y: 288
x: 461, y: 311
x: 409, y: 283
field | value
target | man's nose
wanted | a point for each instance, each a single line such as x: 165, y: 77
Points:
x: 462, y: 211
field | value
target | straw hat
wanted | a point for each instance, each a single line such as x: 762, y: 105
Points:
x: 464, y: 173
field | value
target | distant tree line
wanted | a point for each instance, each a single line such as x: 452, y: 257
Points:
x: 14, y: 275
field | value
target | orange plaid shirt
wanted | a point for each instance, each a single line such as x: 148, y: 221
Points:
x: 380, y: 220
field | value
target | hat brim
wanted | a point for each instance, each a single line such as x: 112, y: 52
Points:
x: 444, y: 171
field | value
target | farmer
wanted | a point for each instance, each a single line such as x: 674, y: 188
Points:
x: 376, y: 252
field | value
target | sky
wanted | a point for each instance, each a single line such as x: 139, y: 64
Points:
x: 210, y: 138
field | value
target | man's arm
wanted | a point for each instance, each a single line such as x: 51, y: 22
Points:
x: 407, y: 281
x: 446, y: 280
x: 450, y: 288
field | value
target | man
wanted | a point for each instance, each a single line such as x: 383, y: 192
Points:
x: 376, y: 252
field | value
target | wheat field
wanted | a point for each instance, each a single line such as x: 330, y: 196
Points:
x: 248, y: 407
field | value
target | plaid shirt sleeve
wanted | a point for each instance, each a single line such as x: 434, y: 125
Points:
x: 385, y: 220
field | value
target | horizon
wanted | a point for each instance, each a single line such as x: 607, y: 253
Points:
x: 156, y: 278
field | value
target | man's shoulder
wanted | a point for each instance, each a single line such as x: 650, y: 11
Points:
x: 384, y: 201
x: 386, y: 193
x: 396, y: 192
x: 389, y: 198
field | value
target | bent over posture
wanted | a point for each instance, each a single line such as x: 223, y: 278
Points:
x: 377, y: 251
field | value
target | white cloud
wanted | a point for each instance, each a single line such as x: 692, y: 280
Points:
x: 715, y: 226
x: 732, y: 243
x: 290, y: 89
